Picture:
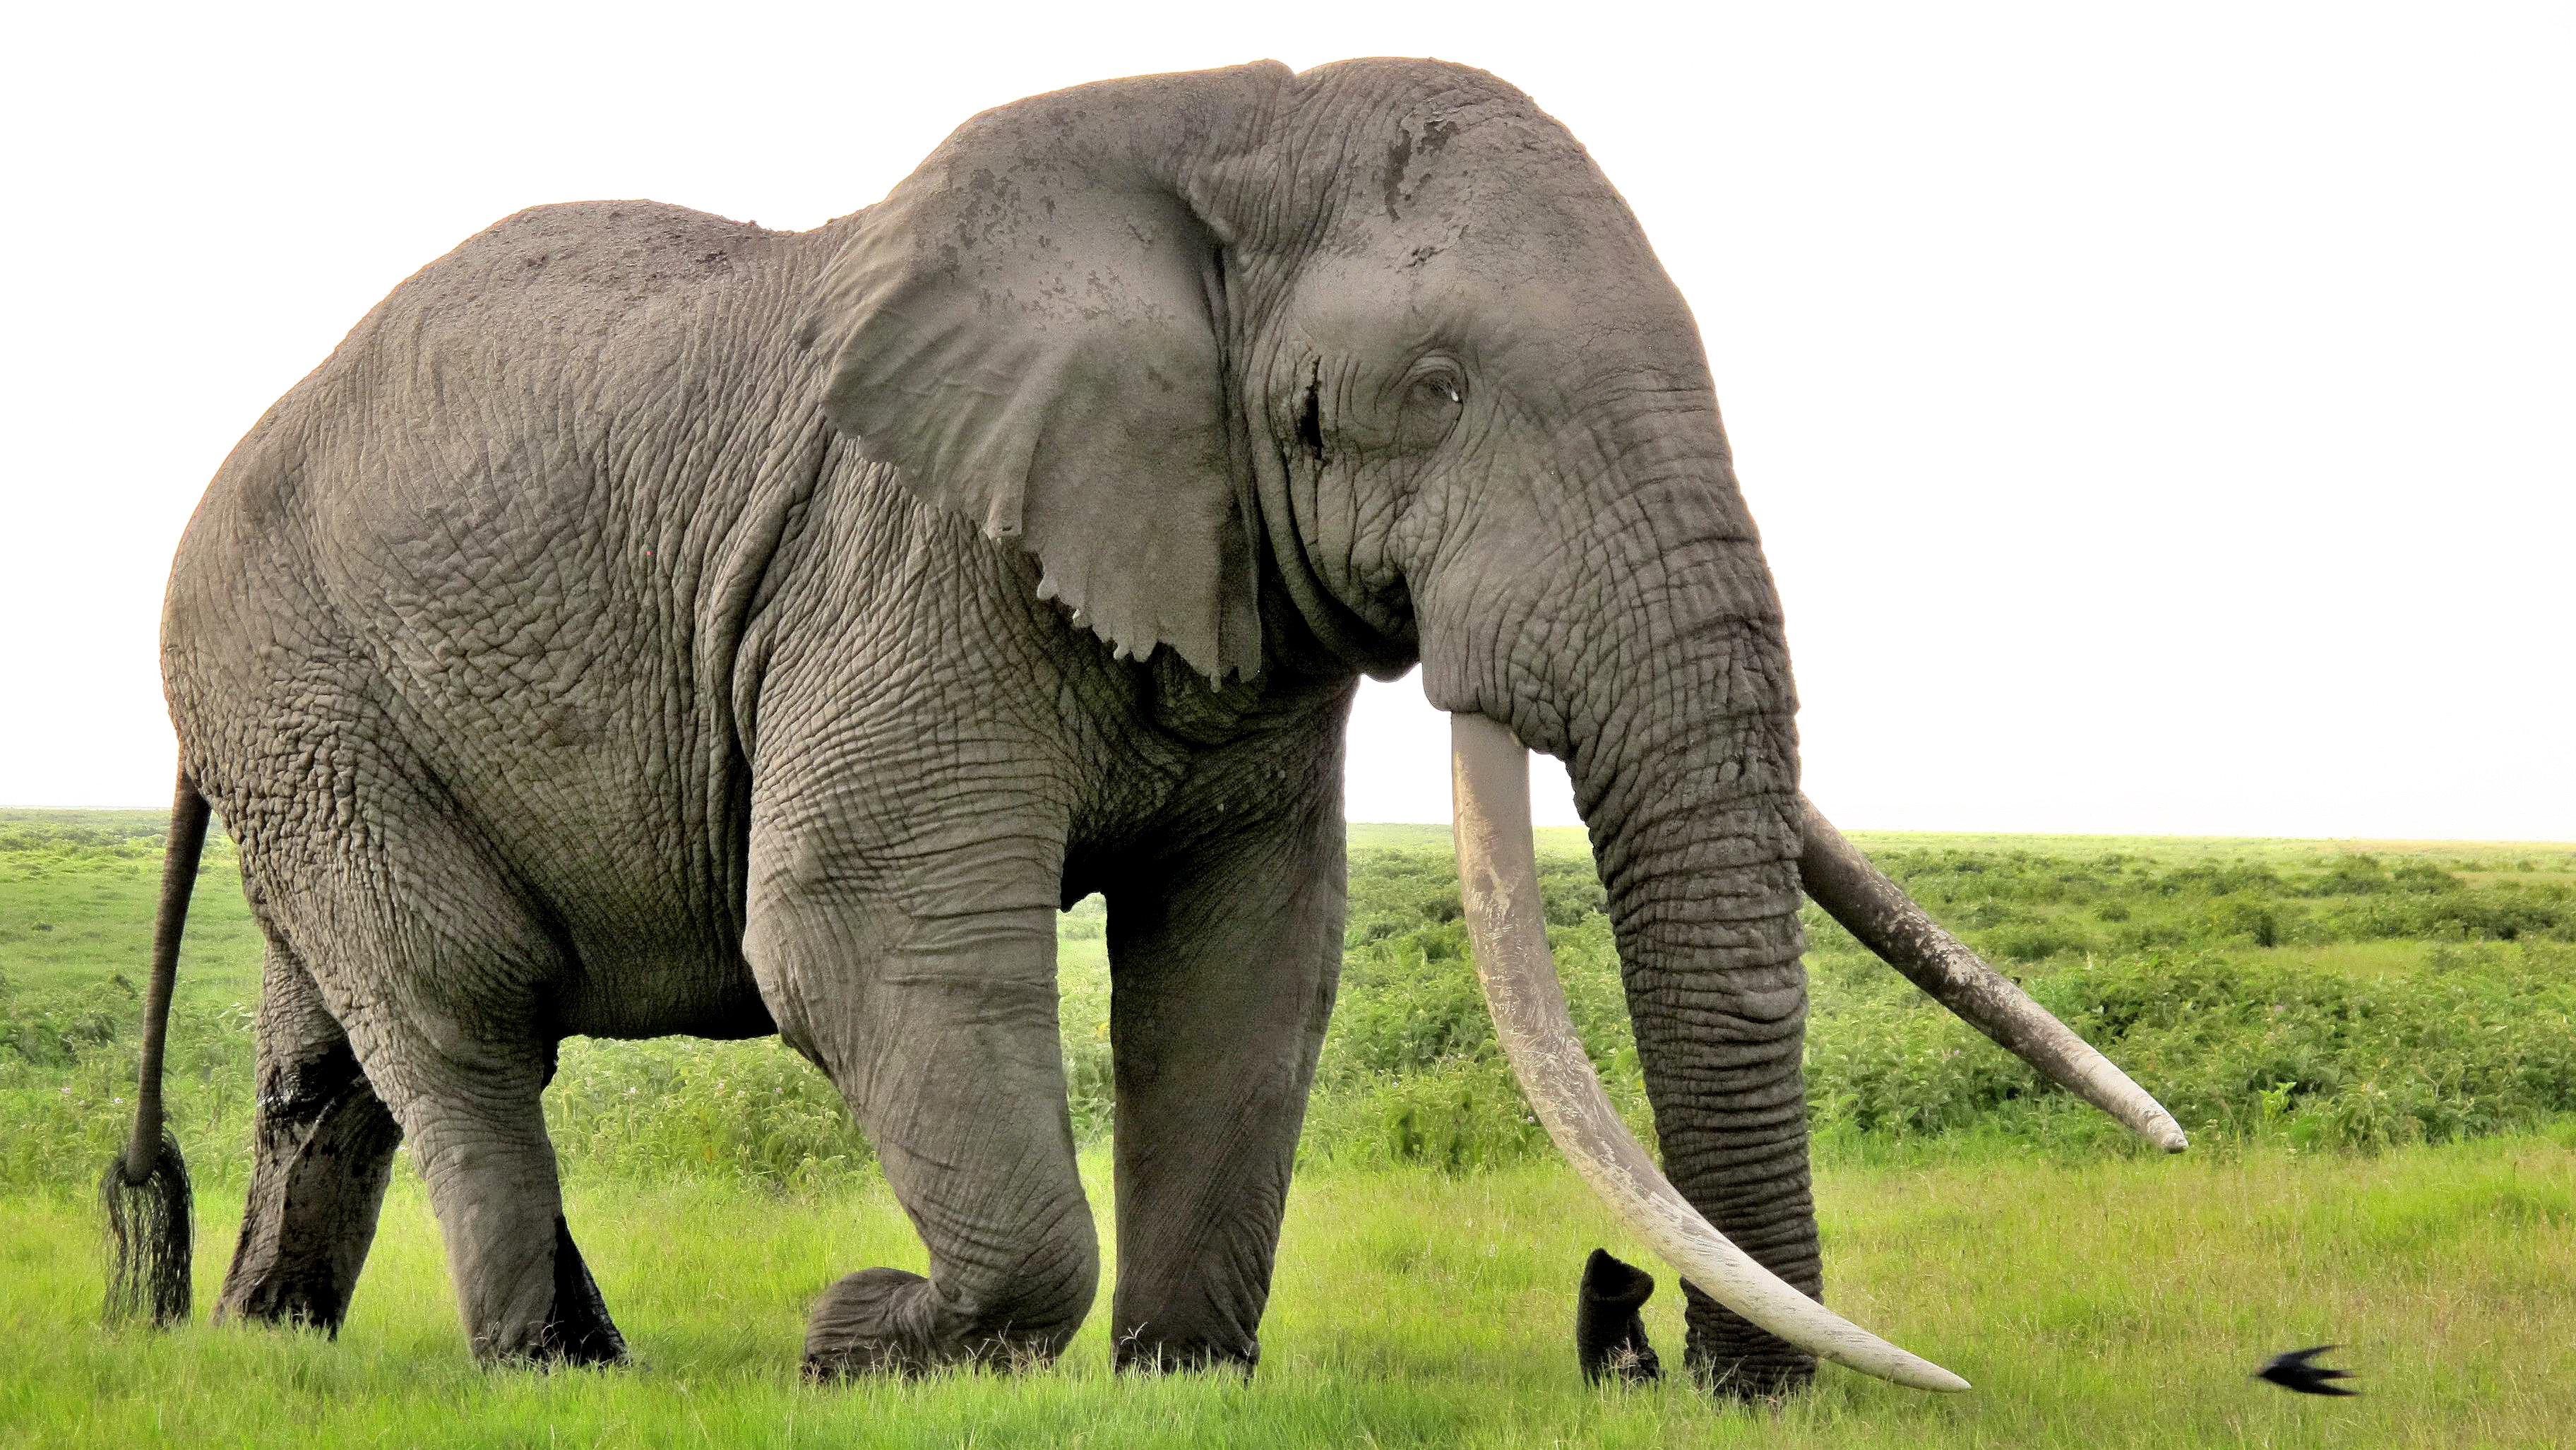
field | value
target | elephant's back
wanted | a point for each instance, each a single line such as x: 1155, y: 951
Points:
x: 585, y: 356
x: 610, y: 285
x: 561, y: 348
x: 479, y: 546
x: 547, y: 416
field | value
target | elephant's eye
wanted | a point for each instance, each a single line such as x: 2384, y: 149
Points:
x: 1435, y: 392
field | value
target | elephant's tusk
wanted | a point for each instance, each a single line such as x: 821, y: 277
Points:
x: 1498, y: 881
x: 1890, y: 923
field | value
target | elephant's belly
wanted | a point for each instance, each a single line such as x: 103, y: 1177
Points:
x: 630, y: 995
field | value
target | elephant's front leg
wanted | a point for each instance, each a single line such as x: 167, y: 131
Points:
x: 937, y: 1021
x: 1223, y: 964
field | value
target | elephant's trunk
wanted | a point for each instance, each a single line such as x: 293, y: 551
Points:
x: 1652, y: 659
x: 1684, y: 757
x: 1691, y: 803
x: 1498, y: 876
x: 1655, y: 665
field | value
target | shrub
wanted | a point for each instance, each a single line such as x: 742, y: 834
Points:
x: 2246, y: 916
x: 2134, y: 955
x: 2481, y: 1046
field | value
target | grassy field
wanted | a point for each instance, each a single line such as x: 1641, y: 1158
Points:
x: 2374, y: 1045
x: 2112, y: 1304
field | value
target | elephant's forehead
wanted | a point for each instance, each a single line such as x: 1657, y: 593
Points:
x: 1503, y: 179
x: 1512, y: 204
x: 1497, y: 295
x: 1402, y: 134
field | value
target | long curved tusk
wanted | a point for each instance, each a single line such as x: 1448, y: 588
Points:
x: 1890, y: 923
x: 1498, y: 881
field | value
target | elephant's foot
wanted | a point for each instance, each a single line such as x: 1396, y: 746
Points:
x: 579, y: 1331
x: 1143, y: 1353
x: 1755, y: 1382
x: 575, y: 1331
x: 1186, y: 1332
x: 888, y: 1321
x: 1756, y: 1376
x: 1735, y: 1360
x: 295, y: 1298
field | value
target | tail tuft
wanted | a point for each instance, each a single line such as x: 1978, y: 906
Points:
x: 145, y: 1191
x: 149, y: 1236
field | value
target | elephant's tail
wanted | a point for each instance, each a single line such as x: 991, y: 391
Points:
x: 145, y: 1190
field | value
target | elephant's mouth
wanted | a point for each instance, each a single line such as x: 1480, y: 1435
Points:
x: 1498, y: 882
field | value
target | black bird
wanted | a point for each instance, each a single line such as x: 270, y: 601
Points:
x: 1609, y: 1335
x: 2293, y: 1372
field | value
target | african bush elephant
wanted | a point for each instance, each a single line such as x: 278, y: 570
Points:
x: 645, y: 623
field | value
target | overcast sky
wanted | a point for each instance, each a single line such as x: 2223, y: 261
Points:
x: 2158, y: 417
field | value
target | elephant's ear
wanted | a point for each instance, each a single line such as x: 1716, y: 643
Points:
x: 1027, y: 328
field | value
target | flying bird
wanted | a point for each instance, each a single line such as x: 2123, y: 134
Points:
x: 2292, y: 1371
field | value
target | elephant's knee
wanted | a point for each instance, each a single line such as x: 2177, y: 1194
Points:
x: 1033, y: 1311
x: 1029, y: 1308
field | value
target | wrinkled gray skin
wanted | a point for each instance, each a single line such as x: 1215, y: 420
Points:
x: 645, y: 623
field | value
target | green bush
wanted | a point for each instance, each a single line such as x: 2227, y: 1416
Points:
x: 1410, y: 1071
x: 2215, y: 982
x: 2245, y: 915
x: 2485, y: 1043
x: 679, y: 1109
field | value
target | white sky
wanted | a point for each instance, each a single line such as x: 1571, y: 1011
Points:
x: 2158, y: 417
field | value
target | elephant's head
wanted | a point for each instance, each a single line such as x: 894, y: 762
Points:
x: 1372, y: 365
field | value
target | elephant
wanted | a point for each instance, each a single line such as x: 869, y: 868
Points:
x: 645, y: 623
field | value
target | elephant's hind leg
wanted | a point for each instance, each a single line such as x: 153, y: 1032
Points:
x: 472, y: 1111
x: 941, y: 1033
x: 324, y: 1148
x: 441, y: 992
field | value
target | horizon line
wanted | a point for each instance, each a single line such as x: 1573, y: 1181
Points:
x: 2553, y: 843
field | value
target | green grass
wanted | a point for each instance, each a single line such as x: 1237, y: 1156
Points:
x: 2107, y: 1304
x: 2374, y: 1045
x: 77, y: 890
